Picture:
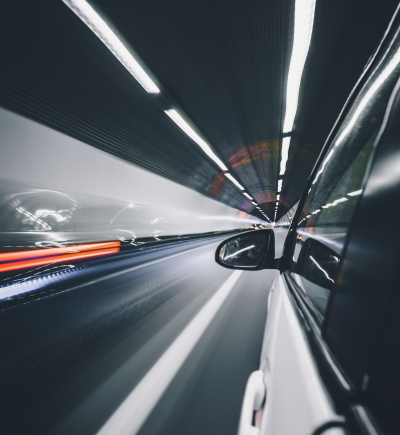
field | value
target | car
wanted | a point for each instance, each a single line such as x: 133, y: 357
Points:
x: 330, y: 357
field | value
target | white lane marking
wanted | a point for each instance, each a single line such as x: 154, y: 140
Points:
x: 134, y: 410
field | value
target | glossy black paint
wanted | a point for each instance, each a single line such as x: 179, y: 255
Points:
x: 269, y: 256
x: 367, y: 290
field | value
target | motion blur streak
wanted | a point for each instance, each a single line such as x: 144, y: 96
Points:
x: 56, y: 259
x: 87, y: 14
x: 131, y: 415
x: 303, y: 25
x: 180, y: 122
x: 11, y: 256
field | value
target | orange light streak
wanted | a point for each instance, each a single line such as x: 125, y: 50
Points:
x: 4, y: 267
x: 32, y: 253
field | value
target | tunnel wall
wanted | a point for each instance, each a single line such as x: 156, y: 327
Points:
x: 40, y: 168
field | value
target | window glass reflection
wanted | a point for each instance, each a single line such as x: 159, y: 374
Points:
x: 244, y: 251
x: 326, y: 216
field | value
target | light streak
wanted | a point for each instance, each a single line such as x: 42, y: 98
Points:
x: 100, y: 28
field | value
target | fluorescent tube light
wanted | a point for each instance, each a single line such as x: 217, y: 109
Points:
x: 254, y: 203
x: 285, y: 155
x: 95, y: 23
x: 303, y: 24
x: 180, y: 122
x: 234, y: 181
x: 247, y: 195
x: 279, y: 185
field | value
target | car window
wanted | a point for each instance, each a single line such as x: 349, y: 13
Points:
x: 336, y: 187
x: 326, y: 216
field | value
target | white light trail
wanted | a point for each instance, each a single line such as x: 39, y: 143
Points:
x: 336, y: 202
x: 236, y: 183
x: 357, y: 192
x: 285, y: 154
x: 180, y: 122
x: 95, y: 23
x: 254, y: 203
x: 279, y: 185
x: 277, y: 197
x: 320, y: 268
x: 323, y: 166
x: 303, y: 25
x: 247, y: 195
x: 375, y: 86
x: 238, y: 252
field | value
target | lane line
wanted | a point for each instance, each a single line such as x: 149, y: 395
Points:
x: 134, y: 410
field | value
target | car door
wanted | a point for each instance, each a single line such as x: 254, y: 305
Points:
x: 329, y: 361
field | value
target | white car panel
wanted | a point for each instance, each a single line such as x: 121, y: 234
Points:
x: 296, y: 400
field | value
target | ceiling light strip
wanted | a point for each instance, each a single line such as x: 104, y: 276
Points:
x: 235, y: 182
x: 180, y: 122
x: 99, y: 27
x: 303, y: 25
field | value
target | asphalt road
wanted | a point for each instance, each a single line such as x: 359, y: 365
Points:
x: 74, y: 359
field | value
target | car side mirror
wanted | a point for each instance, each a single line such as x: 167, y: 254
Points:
x: 253, y: 250
x: 318, y: 263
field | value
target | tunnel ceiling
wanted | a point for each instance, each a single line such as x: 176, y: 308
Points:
x: 222, y: 63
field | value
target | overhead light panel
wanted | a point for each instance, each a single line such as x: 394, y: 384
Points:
x: 180, y: 122
x: 99, y: 27
x: 303, y: 25
x: 236, y: 183
x: 247, y: 195
x: 284, y: 154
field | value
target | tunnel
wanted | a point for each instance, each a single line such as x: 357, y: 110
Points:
x: 198, y: 216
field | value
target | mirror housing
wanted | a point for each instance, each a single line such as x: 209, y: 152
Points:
x: 252, y: 250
